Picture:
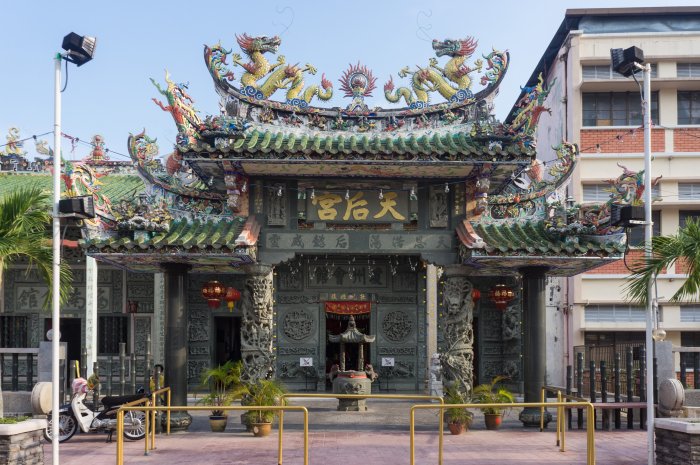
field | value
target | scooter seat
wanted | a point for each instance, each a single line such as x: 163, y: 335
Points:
x: 111, y: 401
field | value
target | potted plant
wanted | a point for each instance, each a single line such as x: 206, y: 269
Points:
x: 264, y: 392
x: 224, y: 383
x: 490, y: 393
x: 458, y: 419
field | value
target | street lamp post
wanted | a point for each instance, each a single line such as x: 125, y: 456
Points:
x: 627, y: 62
x: 79, y: 50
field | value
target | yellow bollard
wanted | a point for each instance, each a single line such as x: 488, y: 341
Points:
x: 543, y: 399
x: 120, y: 437
x: 279, y: 441
x: 148, y: 433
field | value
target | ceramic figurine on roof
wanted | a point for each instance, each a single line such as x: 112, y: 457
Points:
x: 627, y: 189
x: 530, y: 108
x: 357, y: 82
x: 97, y: 154
x: 261, y: 79
x: 452, y: 81
x: 181, y: 107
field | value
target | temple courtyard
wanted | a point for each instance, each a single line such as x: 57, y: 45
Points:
x: 378, y: 436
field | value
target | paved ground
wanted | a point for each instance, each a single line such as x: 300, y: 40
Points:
x: 377, y: 437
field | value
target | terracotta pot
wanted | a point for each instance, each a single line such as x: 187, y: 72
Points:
x: 218, y: 423
x: 261, y: 429
x: 456, y: 428
x: 493, y: 420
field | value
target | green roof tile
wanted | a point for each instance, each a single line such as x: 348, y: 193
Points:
x: 182, y: 235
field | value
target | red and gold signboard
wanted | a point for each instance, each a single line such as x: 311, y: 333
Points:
x: 348, y: 307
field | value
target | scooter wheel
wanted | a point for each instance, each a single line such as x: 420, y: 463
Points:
x: 134, y: 425
x: 67, y: 427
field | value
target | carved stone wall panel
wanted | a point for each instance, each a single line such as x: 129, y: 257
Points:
x: 297, y: 325
x: 397, y: 325
x: 276, y: 200
x: 143, y: 330
x: 198, y: 349
x: 198, y: 325
x: 438, y: 207
x: 194, y: 370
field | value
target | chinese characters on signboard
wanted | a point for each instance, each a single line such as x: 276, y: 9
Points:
x: 359, y: 206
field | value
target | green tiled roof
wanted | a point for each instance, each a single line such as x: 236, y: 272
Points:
x: 266, y: 141
x: 182, y: 235
x: 532, y: 238
x: 114, y: 186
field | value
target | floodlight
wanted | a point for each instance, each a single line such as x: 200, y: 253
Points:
x: 80, y: 48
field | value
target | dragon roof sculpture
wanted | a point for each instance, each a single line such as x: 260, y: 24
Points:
x: 262, y: 79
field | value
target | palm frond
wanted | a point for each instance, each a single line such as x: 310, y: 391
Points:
x: 681, y: 248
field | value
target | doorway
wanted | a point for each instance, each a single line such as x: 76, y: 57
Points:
x: 336, y: 324
x: 227, y: 339
x: 70, y: 334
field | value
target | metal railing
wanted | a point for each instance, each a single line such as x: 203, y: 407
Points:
x: 169, y: 408
x: 590, y: 432
x: 441, y: 413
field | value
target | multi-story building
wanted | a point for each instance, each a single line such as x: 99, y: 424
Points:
x: 600, y: 110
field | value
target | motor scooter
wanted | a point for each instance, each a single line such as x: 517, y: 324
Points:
x: 76, y: 415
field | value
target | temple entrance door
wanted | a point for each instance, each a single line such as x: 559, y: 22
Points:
x: 336, y: 324
x: 227, y: 339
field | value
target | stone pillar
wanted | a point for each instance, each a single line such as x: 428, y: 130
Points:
x: 257, y: 349
x: 175, y: 357
x: 457, y: 357
x: 430, y: 319
x: 91, y: 312
x: 534, y: 341
x: 158, y: 326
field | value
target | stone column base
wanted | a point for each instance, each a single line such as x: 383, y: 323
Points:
x: 530, y: 416
x: 179, y: 421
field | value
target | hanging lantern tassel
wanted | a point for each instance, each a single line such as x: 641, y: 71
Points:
x: 233, y: 295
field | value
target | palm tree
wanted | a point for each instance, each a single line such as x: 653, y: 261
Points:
x: 683, y: 248
x: 24, y: 218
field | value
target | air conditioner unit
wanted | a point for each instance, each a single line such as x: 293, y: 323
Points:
x: 77, y: 207
x: 627, y: 216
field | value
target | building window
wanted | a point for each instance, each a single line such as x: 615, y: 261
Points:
x: 687, y: 70
x: 689, y: 339
x: 688, y: 191
x: 614, y: 313
x: 590, y: 72
x: 690, y: 314
x: 689, y: 107
x: 13, y: 332
x: 111, y: 330
x: 616, y: 108
x: 596, y: 192
x: 685, y: 215
x: 636, y: 235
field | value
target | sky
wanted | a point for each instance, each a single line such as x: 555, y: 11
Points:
x: 111, y: 95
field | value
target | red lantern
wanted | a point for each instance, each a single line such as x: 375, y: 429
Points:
x: 501, y: 295
x: 233, y: 295
x: 213, y: 292
x: 476, y: 295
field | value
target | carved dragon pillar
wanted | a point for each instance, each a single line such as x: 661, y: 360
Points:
x: 457, y: 356
x: 256, y: 325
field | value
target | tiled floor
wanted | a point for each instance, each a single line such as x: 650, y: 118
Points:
x: 379, y: 437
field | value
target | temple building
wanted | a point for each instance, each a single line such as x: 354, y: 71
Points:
x: 428, y: 223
